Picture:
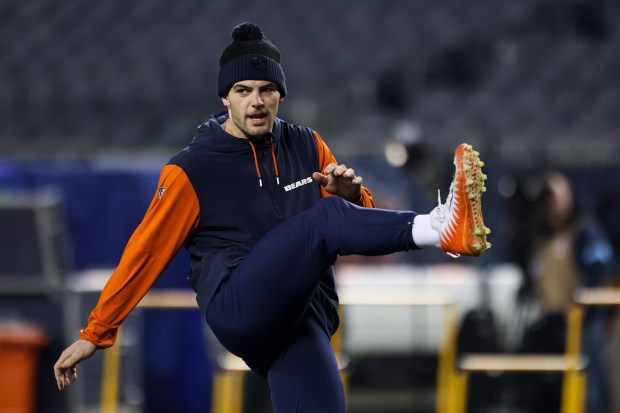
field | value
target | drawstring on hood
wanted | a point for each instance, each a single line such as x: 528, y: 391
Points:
x: 260, y: 180
x: 275, y: 164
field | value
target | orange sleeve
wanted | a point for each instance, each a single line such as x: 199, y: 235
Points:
x: 173, y: 213
x: 325, y: 158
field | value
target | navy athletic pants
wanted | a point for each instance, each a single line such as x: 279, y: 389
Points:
x: 262, y: 307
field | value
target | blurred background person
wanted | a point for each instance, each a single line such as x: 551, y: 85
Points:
x: 559, y: 250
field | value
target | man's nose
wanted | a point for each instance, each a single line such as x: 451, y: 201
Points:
x: 257, y: 100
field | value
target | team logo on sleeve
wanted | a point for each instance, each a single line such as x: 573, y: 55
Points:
x: 160, y: 191
x: 297, y: 184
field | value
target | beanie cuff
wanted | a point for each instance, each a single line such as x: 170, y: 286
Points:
x: 250, y: 67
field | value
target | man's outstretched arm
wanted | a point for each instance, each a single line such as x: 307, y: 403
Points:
x: 172, y: 215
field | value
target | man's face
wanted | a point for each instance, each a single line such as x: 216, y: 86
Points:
x: 252, y: 107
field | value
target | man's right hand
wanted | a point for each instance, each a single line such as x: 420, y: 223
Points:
x: 65, y: 369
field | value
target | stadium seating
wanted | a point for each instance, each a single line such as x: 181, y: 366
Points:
x: 113, y: 76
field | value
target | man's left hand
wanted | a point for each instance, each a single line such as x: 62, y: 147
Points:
x: 340, y: 180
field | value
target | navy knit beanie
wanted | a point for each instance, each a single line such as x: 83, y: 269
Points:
x: 250, y: 56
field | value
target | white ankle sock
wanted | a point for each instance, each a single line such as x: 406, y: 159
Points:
x: 423, y: 233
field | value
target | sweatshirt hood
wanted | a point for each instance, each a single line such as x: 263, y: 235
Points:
x: 212, y: 135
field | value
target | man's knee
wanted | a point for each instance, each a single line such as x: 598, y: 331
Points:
x: 329, y: 206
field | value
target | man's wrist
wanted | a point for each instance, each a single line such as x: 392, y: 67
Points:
x: 355, y: 198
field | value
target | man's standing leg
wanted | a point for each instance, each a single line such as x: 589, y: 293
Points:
x: 305, y: 377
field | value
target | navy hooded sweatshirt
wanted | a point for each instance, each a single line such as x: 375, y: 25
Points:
x: 218, y: 197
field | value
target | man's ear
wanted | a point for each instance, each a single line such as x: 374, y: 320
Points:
x: 225, y: 101
x: 281, y: 99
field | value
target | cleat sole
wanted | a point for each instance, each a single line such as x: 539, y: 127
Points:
x: 474, y: 194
